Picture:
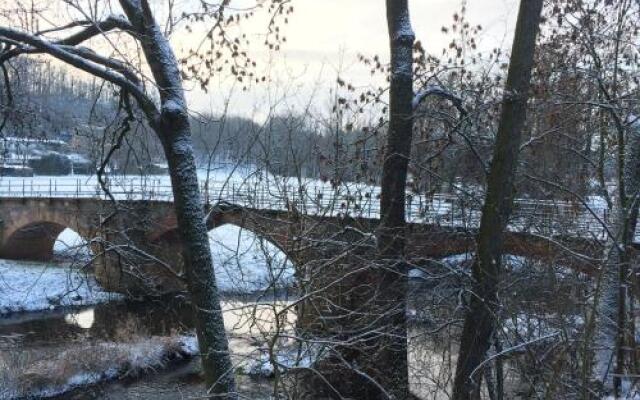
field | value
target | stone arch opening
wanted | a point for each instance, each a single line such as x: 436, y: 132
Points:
x: 246, y: 261
x: 45, y: 241
x: 34, y: 241
x: 255, y: 277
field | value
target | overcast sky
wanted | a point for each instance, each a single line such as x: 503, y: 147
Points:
x: 325, y: 36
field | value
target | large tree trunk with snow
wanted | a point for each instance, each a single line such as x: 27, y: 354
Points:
x: 175, y: 133
x: 480, y: 320
x: 212, y: 338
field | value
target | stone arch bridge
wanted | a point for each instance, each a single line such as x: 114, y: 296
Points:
x: 137, y: 246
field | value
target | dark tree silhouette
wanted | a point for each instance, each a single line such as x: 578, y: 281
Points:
x: 480, y: 320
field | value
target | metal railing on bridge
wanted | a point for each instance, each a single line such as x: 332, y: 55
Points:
x: 538, y: 216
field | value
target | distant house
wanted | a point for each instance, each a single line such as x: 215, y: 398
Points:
x: 18, y: 147
x: 21, y: 156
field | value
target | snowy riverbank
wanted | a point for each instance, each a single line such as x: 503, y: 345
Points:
x: 30, y: 286
x: 91, y: 363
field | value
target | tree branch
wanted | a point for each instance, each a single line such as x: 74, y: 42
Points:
x: 109, y: 24
x: 438, y: 91
x: 105, y: 68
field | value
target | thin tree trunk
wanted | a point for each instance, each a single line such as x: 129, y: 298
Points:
x: 601, y: 158
x: 611, y: 309
x: 392, y: 353
x: 480, y: 320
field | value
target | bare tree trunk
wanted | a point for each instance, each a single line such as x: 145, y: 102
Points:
x: 391, y: 231
x: 611, y: 309
x: 480, y: 320
x: 175, y: 133
x: 212, y: 339
x: 391, y: 240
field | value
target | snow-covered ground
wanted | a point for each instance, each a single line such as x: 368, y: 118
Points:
x: 28, y: 286
x: 245, y: 263
x: 70, y: 243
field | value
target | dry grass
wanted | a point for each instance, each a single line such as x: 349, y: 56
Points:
x: 91, y: 363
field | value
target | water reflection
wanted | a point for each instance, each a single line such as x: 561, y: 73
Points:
x: 84, y: 319
x: 46, y: 343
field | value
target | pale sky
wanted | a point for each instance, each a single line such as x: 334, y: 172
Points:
x: 325, y: 36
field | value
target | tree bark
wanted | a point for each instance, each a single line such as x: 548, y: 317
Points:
x: 391, y: 237
x: 480, y: 320
x: 212, y: 339
x: 392, y: 352
x: 174, y: 131
x: 611, y: 323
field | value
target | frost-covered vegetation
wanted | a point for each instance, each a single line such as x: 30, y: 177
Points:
x: 91, y: 363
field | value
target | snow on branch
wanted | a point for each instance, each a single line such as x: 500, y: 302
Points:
x: 91, y: 30
x: 97, y: 28
x: 438, y: 91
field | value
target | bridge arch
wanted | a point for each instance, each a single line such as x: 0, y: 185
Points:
x: 265, y: 224
x: 242, y: 262
x: 35, y: 240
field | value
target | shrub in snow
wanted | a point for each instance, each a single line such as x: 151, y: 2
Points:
x: 283, y: 359
x: 93, y: 363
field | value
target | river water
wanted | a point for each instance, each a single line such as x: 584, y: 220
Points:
x: 43, y: 349
x: 32, y: 339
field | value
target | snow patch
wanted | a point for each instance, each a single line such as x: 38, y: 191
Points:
x: 245, y: 263
x: 70, y: 243
x: 26, y: 286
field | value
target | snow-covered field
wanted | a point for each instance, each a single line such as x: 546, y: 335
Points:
x: 157, y: 187
x: 28, y: 286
